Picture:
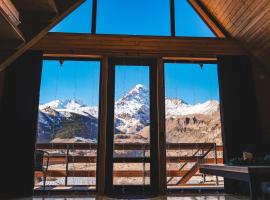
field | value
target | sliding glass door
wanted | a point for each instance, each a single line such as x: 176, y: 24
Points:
x: 131, y: 137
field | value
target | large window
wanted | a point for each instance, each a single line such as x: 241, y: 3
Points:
x: 133, y: 17
x: 136, y: 17
x: 68, y: 123
x: 131, y: 126
x: 188, y: 22
x: 193, y: 127
x: 79, y: 21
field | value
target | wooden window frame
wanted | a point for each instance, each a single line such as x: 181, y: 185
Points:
x: 154, y: 176
x: 100, y: 107
x: 183, y: 60
x: 106, y: 116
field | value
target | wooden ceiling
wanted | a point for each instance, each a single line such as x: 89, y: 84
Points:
x: 247, y: 21
x: 36, y: 18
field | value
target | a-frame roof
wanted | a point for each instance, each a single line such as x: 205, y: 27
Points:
x: 247, y: 21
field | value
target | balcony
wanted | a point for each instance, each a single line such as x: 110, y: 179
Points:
x: 73, y: 165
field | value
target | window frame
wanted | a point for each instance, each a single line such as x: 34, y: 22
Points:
x: 199, y: 8
x: 74, y: 58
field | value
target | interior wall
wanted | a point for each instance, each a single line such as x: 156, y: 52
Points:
x: 2, y: 76
x: 262, y: 87
x: 18, y: 117
x: 239, y: 112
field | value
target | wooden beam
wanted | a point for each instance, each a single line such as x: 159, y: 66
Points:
x: 161, y: 127
x: 117, y: 173
x: 189, y: 59
x: 130, y: 146
x: 138, y: 46
x: 32, y: 10
x: 101, y: 164
x: 33, y: 38
x: 154, y: 143
x: 93, y: 159
x: 207, y: 18
x: 189, y: 174
x: 10, y: 34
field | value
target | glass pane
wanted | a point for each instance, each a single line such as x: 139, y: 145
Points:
x: 68, y: 123
x: 133, y: 17
x: 79, y: 21
x: 188, y: 22
x: 193, y: 127
x: 131, y: 126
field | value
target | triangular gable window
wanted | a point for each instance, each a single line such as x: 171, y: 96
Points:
x: 188, y: 22
x: 79, y: 21
x: 140, y: 17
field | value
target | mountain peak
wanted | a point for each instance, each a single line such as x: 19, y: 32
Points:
x: 52, y: 104
x: 72, y: 104
x: 138, y: 93
x: 139, y: 88
x: 175, y: 101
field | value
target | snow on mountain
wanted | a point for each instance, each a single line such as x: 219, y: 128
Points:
x: 176, y: 107
x: 70, y: 106
x: 52, y: 104
x: 132, y: 110
x: 59, y: 104
x: 67, y: 119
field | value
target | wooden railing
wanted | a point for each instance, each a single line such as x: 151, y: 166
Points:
x: 203, y: 153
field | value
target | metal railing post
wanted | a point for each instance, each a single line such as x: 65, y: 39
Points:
x: 216, y: 161
x: 204, y: 176
x: 67, y: 155
x: 144, y: 166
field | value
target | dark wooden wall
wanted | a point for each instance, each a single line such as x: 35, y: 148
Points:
x: 262, y: 86
x: 2, y: 76
x: 18, y: 118
x: 239, y: 113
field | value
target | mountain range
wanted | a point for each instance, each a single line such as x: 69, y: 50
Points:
x: 72, y: 119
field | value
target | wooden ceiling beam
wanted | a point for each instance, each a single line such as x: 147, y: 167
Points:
x: 248, y: 21
x: 35, y: 29
x: 137, y: 46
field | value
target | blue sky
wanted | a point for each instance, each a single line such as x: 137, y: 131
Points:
x: 77, y: 80
x: 80, y: 80
x: 135, y: 17
x: 126, y: 77
x: 191, y: 83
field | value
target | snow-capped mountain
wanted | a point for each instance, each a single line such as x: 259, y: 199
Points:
x: 132, y: 114
x: 176, y: 107
x: 132, y: 110
x: 72, y: 106
x: 59, y: 104
x: 67, y: 119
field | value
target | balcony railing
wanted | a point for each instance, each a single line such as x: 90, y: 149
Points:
x: 180, y: 167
